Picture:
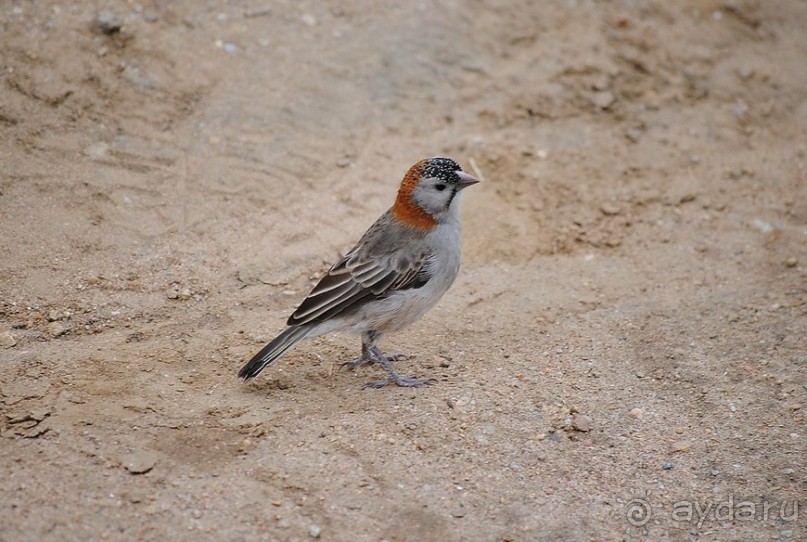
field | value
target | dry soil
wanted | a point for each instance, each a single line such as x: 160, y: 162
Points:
x: 625, y: 343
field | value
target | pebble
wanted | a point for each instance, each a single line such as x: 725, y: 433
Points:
x: 314, y: 531
x: 740, y: 109
x: 636, y: 412
x: 7, y: 340
x: 668, y: 465
x: 581, y: 423
x: 97, y: 150
x: 762, y: 226
x: 791, y: 262
x: 56, y: 329
x: 682, y: 445
x: 603, y: 100
x: 151, y: 15
x: 108, y: 23
x: 134, y: 75
x: 745, y: 73
x: 633, y: 135
x: 610, y: 208
x: 258, y: 12
x: 139, y: 462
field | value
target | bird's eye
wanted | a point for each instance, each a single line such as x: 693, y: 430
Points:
x: 440, y: 187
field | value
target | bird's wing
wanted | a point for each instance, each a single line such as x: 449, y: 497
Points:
x: 359, y: 277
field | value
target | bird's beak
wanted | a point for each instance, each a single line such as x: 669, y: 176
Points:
x: 466, y: 180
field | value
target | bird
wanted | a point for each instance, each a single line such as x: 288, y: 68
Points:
x: 399, y: 269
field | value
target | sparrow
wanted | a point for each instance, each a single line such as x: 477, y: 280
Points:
x: 399, y: 269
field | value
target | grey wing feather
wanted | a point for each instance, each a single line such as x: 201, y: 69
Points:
x: 355, y: 280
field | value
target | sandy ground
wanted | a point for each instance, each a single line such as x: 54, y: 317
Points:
x: 622, y: 357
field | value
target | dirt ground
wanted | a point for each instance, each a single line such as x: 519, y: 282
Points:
x: 622, y: 357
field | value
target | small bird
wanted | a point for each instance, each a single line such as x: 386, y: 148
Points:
x: 399, y: 269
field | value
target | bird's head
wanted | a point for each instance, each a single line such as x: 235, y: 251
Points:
x: 429, y: 192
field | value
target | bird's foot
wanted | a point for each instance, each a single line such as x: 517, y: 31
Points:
x: 395, y: 378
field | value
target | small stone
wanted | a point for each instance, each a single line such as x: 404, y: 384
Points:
x: 791, y: 262
x: 762, y: 226
x: 668, y: 465
x: 54, y: 315
x: 139, y: 462
x: 151, y: 15
x: 56, y: 329
x: 601, y: 83
x: 603, y: 99
x: 38, y: 414
x: 581, y: 423
x: 258, y: 12
x: 682, y: 445
x: 633, y: 135
x: 108, y: 23
x: 314, y: 531
x: 309, y: 19
x: 610, y: 208
x: 134, y: 75
x: 97, y: 150
x: 135, y: 498
x: 636, y: 412
x: 441, y: 361
x: 740, y: 109
x: 7, y: 340
x: 745, y: 73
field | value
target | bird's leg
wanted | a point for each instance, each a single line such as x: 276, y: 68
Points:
x: 395, y: 378
x: 385, y: 360
x: 368, y: 355
x: 369, y: 352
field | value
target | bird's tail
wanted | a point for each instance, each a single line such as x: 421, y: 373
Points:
x: 273, y: 350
